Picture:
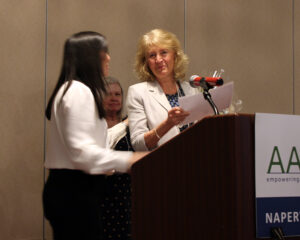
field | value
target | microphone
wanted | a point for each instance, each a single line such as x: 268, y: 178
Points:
x: 196, y: 81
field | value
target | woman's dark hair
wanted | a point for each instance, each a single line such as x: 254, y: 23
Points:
x: 82, y: 62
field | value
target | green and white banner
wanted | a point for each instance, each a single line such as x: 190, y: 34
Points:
x: 277, y: 173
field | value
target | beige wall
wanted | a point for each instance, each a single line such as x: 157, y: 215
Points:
x: 253, y: 40
x: 296, y: 53
x: 122, y: 22
x: 22, y: 31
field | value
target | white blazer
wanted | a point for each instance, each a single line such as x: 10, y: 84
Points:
x: 147, y: 107
x: 77, y: 137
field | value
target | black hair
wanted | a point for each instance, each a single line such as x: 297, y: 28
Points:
x: 82, y: 62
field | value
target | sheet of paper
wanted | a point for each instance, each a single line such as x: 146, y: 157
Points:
x: 200, y: 108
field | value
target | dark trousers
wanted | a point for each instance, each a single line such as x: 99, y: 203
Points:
x: 71, y: 201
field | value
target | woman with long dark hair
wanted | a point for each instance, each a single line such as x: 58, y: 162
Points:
x: 77, y: 153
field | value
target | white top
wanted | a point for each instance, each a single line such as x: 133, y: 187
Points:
x: 147, y: 107
x: 78, y: 137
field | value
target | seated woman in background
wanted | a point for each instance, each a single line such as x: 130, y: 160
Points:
x: 117, y: 202
x: 153, y: 109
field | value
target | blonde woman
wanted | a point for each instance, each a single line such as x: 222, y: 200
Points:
x: 153, y: 109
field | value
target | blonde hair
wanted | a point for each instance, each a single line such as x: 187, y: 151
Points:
x: 165, y: 39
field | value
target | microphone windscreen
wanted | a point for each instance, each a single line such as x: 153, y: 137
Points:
x: 193, y: 77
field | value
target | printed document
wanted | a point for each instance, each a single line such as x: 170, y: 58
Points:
x: 199, y: 108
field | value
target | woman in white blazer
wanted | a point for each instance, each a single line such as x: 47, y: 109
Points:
x: 153, y: 110
x: 77, y: 154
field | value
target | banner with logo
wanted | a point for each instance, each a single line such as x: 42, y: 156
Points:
x: 277, y: 173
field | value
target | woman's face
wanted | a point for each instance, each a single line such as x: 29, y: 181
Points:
x: 113, y: 100
x: 161, y: 61
x: 105, y: 63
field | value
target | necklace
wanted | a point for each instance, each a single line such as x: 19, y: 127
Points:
x: 178, y: 90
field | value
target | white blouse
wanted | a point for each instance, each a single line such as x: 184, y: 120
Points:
x: 78, y: 137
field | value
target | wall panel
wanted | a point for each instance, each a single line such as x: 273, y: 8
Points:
x: 22, y: 30
x: 297, y: 56
x: 123, y: 22
x: 252, y: 42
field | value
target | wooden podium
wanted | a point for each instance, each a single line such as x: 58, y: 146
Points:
x: 199, y: 185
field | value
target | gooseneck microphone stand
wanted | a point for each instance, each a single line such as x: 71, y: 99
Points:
x: 207, y: 97
x: 205, y: 86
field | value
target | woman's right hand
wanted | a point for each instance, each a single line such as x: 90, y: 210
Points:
x: 176, y: 115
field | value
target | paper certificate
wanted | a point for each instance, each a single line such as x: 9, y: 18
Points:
x: 199, y: 108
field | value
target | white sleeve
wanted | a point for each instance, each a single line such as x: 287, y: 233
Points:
x: 115, y: 134
x: 137, y: 119
x: 84, y: 134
